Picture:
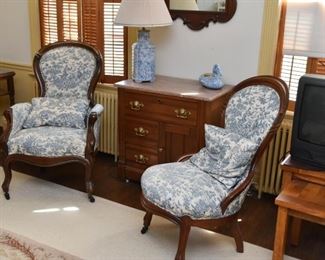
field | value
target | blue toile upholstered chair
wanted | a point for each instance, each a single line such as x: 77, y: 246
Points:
x: 208, y: 188
x: 62, y: 125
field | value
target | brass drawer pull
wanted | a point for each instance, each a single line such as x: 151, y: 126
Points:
x: 182, y: 113
x: 140, y: 131
x: 136, y: 105
x: 140, y: 158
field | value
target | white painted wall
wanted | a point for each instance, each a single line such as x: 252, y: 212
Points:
x: 181, y: 52
x: 15, y: 44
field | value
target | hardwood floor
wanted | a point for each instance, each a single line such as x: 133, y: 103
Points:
x: 258, y: 215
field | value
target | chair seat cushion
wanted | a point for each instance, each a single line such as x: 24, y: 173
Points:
x: 182, y: 189
x: 48, y: 141
x: 66, y: 112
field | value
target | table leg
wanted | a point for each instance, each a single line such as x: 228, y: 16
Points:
x: 295, y: 231
x: 280, y: 234
x: 11, y: 90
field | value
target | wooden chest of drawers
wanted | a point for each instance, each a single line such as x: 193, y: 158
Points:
x: 160, y: 121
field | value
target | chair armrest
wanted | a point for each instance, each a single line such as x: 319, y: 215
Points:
x: 15, y: 117
x: 184, y: 157
x: 240, y: 189
x: 98, y: 109
x: 243, y: 186
x: 93, y: 126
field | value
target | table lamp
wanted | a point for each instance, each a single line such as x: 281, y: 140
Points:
x: 143, y: 13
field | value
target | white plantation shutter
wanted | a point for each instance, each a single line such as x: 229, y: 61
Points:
x: 70, y: 21
x: 114, y: 43
x: 90, y: 21
x: 49, y: 23
x: 304, y: 33
x: 59, y: 20
x: 293, y: 67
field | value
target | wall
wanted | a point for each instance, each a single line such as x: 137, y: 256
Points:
x: 180, y: 51
x: 235, y: 45
x: 15, y: 49
x: 14, y: 30
x: 24, y: 82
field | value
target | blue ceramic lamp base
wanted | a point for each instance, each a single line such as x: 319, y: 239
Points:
x: 143, y: 69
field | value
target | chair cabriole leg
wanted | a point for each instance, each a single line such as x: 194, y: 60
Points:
x: 237, y: 236
x: 7, y: 179
x: 146, y: 222
x: 89, y: 184
x: 185, y: 228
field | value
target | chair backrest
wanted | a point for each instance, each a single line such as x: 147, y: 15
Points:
x: 255, y: 110
x: 67, y: 69
x: 251, y: 111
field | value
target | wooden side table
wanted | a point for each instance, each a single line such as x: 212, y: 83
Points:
x: 302, y: 197
x: 8, y: 75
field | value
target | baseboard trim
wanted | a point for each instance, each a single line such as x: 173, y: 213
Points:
x: 16, y: 66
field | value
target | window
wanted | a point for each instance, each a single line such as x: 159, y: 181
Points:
x: 299, y: 22
x: 92, y: 22
x: 293, y: 67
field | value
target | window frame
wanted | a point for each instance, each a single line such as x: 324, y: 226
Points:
x: 312, y: 63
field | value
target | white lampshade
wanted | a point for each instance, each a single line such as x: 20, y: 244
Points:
x: 143, y: 13
x: 304, y: 33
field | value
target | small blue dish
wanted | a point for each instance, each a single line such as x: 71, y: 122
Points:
x: 212, y: 80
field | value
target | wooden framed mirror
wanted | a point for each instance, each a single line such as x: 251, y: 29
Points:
x: 197, y: 14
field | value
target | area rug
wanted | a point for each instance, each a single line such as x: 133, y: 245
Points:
x: 63, y: 219
x: 16, y: 247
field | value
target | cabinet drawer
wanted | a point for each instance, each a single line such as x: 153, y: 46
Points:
x: 140, y: 158
x: 133, y: 173
x: 161, y: 108
x: 141, y: 131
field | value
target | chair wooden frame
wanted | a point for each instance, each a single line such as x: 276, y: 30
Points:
x: 186, y: 222
x: 90, y: 151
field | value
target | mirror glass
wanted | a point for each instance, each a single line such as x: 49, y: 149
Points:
x: 198, y: 5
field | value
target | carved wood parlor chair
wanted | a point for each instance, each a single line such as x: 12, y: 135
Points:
x: 62, y: 125
x: 208, y: 188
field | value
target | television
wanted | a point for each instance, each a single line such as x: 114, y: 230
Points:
x: 308, y: 132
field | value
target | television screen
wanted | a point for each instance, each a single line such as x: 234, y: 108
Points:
x: 308, y: 131
x: 312, y: 120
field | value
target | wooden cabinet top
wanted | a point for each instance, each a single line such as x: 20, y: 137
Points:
x: 303, y: 171
x: 5, y: 73
x: 297, y: 166
x: 185, y: 88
